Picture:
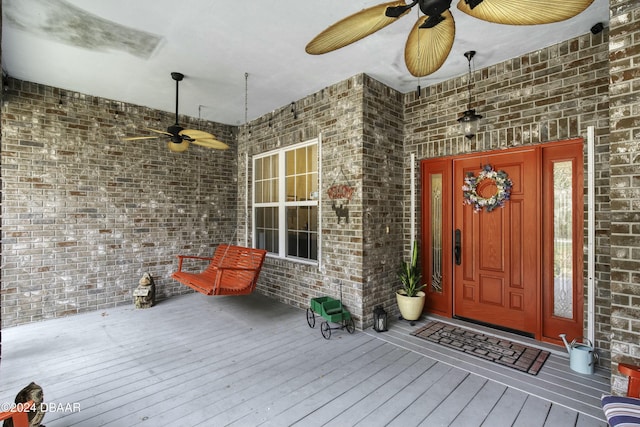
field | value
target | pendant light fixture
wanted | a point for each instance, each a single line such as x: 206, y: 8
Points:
x: 470, y: 121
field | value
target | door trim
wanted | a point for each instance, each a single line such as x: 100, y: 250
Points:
x: 442, y: 303
x: 437, y: 302
x: 554, y: 325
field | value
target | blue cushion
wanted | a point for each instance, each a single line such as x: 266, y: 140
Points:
x: 621, y: 411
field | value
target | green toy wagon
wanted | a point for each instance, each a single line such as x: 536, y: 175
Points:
x: 332, y: 311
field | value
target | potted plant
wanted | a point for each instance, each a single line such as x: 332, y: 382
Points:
x: 410, y: 297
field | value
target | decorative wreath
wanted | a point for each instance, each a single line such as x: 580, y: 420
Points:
x: 470, y: 189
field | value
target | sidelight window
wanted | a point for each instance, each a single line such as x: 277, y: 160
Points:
x: 563, y: 239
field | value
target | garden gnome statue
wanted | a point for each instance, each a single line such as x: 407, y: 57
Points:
x: 145, y: 294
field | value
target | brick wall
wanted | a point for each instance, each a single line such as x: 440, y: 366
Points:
x: 336, y: 114
x: 547, y: 95
x: 624, y: 56
x: 384, y: 163
x: 84, y: 214
x: 360, y: 123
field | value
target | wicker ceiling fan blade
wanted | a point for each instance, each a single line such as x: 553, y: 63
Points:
x: 137, y: 138
x: 524, y: 12
x: 163, y: 132
x: 195, y: 134
x: 428, y: 48
x: 353, y: 28
x: 210, y: 143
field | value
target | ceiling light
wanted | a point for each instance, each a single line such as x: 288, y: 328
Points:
x: 470, y: 121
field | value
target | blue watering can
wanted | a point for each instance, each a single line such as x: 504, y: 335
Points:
x: 582, y: 355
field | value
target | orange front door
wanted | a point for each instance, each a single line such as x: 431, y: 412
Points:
x: 519, y: 266
x: 497, y: 253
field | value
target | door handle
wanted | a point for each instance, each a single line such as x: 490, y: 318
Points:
x: 457, y: 247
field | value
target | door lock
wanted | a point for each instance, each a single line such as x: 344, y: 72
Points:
x: 457, y: 247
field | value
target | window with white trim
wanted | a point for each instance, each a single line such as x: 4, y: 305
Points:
x: 285, y: 201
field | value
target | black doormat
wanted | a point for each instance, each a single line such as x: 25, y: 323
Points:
x: 507, y: 353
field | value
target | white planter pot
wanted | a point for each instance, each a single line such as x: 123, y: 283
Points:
x: 410, y: 307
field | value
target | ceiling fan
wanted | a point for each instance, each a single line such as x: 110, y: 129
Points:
x: 432, y: 36
x: 179, y: 137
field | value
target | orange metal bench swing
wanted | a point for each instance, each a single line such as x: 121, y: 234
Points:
x: 233, y: 270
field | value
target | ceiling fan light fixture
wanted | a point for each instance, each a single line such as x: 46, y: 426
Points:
x: 180, y: 147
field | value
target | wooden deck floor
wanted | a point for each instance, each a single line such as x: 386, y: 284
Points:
x: 248, y: 361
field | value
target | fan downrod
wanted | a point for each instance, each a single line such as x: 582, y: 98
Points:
x: 176, y: 128
x: 434, y: 7
x: 470, y: 54
x: 431, y: 8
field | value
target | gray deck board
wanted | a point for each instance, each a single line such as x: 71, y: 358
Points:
x: 481, y: 404
x: 409, y: 367
x: 344, y: 400
x: 402, y: 395
x: 559, y: 415
x: 223, y: 382
x: 506, y: 410
x: 249, y: 361
x: 534, y: 413
x: 586, y: 421
x: 331, y: 387
x: 313, y: 401
x: 134, y: 384
x: 429, y: 399
x: 299, y: 388
x: 555, y: 382
x: 451, y: 407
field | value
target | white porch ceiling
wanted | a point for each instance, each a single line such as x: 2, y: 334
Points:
x: 126, y: 49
